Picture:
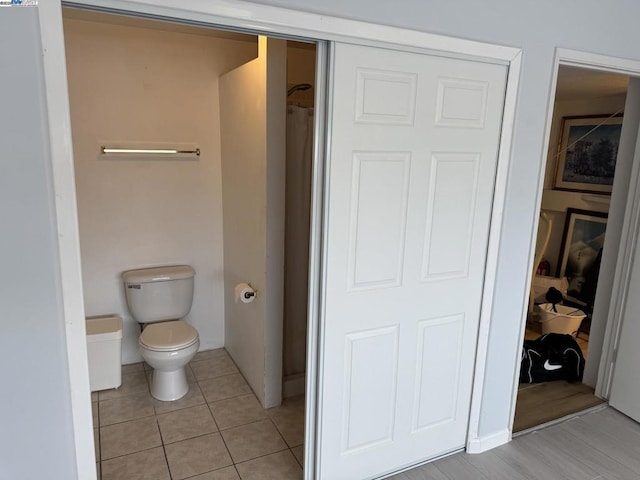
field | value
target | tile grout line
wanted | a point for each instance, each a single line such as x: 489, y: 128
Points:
x: 266, y: 413
x: 133, y: 453
x: 164, y: 449
x: 197, y: 384
x: 155, y: 415
x: 294, y: 455
x: 281, y: 434
x: 99, y: 437
x: 263, y: 456
x: 225, y: 444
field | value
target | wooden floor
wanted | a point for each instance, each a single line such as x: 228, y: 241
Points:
x: 543, y: 402
x: 540, y: 403
x: 603, y: 445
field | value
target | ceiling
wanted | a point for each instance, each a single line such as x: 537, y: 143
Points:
x: 579, y: 83
x: 134, y: 21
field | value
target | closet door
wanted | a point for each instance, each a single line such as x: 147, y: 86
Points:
x: 625, y: 381
x: 412, y: 161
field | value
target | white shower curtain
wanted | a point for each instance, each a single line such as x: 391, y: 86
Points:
x: 298, y: 204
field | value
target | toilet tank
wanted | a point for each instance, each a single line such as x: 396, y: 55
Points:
x: 159, y: 293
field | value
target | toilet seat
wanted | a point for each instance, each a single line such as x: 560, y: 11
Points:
x: 168, y: 336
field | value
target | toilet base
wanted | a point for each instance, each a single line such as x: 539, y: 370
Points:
x: 169, y: 386
x: 168, y: 379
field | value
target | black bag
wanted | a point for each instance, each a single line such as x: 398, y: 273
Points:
x: 553, y: 356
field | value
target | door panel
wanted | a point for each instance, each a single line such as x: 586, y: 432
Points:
x: 625, y: 382
x: 411, y: 172
x: 440, y: 343
x: 380, y: 193
x: 368, y: 421
x: 453, y: 186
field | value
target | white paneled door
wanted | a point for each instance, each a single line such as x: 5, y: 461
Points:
x: 625, y: 383
x: 411, y: 170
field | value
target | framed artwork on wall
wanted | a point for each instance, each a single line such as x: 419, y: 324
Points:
x: 587, y: 153
x: 581, y: 253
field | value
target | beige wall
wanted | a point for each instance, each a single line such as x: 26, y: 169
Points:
x: 140, y: 86
x: 301, y: 63
x: 300, y: 69
x: 253, y: 154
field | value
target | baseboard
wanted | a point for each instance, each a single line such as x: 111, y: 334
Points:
x: 482, y: 444
x: 293, y: 385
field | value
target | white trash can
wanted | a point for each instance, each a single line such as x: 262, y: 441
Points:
x: 104, y: 347
x: 565, y: 320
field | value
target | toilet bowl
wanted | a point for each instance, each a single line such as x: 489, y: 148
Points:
x: 168, y: 347
x: 159, y: 298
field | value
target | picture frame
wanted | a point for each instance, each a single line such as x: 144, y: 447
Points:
x: 587, y: 153
x: 581, y: 253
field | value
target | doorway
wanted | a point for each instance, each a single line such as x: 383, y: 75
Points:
x: 267, y: 18
x: 586, y: 126
x: 146, y: 84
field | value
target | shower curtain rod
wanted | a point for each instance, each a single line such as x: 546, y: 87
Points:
x: 299, y: 86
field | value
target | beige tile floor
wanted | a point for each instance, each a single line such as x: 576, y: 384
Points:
x: 218, y: 431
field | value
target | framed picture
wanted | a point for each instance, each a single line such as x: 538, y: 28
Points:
x: 581, y: 253
x: 587, y: 153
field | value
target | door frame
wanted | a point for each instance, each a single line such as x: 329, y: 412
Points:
x: 630, y: 226
x: 273, y: 21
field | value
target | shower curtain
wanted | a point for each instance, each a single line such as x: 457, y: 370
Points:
x: 297, y: 205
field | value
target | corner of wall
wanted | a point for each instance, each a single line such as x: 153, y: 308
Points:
x: 488, y: 442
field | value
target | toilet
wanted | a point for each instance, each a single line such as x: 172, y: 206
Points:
x: 158, y: 298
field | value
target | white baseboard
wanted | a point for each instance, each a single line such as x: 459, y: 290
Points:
x: 293, y: 385
x: 482, y: 444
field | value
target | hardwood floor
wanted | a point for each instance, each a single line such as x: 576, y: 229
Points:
x: 603, y: 445
x: 540, y: 403
x: 543, y: 402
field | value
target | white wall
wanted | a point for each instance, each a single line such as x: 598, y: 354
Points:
x: 36, y: 438
x: 625, y: 381
x: 276, y: 121
x: 538, y: 28
x: 619, y: 200
x: 132, y: 85
x: 252, y: 103
x: 555, y: 202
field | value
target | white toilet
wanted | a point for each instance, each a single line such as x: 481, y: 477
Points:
x: 158, y: 298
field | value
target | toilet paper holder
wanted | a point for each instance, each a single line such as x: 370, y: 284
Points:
x: 248, y: 295
x: 245, y: 293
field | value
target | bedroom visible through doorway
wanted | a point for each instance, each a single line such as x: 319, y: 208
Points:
x: 584, y: 143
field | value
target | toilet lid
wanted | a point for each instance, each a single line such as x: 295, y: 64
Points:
x: 168, y: 336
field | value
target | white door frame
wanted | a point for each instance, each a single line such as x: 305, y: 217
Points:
x: 266, y: 20
x: 603, y: 63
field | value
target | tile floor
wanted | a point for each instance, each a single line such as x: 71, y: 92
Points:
x: 218, y: 431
